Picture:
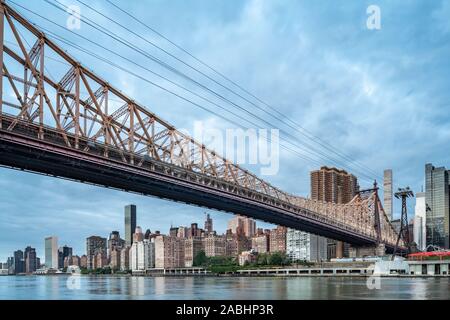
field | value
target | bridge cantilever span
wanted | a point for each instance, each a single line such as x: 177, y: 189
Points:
x: 84, y: 129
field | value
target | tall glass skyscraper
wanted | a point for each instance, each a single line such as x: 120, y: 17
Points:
x: 51, y: 252
x: 437, y: 194
x: 130, y: 223
x: 388, y: 194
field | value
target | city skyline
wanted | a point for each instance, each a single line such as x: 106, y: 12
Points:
x: 79, y: 248
x: 224, y: 220
x: 54, y: 253
x: 221, y: 221
x: 349, y: 98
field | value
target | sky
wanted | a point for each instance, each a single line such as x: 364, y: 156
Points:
x: 379, y: 96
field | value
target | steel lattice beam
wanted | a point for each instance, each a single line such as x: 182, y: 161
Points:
x: 76, y: 113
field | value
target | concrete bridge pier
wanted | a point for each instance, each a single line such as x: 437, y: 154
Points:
x: 375, y: 250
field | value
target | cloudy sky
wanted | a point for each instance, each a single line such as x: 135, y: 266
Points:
x: 379, y: 96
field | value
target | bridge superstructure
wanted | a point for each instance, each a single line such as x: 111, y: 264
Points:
x: 80, y: 127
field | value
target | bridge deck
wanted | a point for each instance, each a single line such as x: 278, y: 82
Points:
x: 50, y: 156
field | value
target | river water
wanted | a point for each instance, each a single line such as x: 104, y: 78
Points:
x: 220, y: 288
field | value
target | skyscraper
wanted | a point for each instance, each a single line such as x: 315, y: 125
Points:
x: 51, y: 252
x: 208, y: 224
x: 115, y: 243
x: 335, y: 186
x: 261, y: 242
x: 169, y: 252
x: 173, y: 232
x: 10, y: 264
x: 130, y: 223
x: 19, y: 263
x: 277, y: 239
x: 215, y: 245
x: 388, y: 195
x: 235, y: 224
x: 437, y: 205
x: 125, y: 258
x: 303, y: 246
x: 249, y: 227
x: 63, y: 253
x: 142, y: 255
x: 242, y: 224
x: 138, y: 235
x: 30, y: 259
x: 419, y: 221
x: 95, y: 250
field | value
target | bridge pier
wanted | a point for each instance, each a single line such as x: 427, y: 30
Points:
x: 375, y: 250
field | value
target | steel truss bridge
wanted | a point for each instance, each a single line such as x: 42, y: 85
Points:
x: 79, y: 127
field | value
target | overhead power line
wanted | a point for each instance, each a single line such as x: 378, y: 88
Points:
x: 126, y: 43
x: 305, y: 132
x: 87, y: 51
x: 53, y: 35
x: 130, y: 45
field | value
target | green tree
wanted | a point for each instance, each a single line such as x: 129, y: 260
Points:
x: 262, y: 259
x: 275, y: 259
x: 200, y: 259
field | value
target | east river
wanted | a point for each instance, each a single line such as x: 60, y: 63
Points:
x: 220, y: 288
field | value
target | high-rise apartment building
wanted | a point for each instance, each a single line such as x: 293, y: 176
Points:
x: 169, y: 252
x: 125, y: 258
x: 115, y: 242
x: 278, y: 239
x: 193, y: 231
x: 242, y: 224
x: 173, y: 232
x: 236, y: 243
x: 437, y: 205
x: 419, y: 221
x: 10, y: 263
x: 19, y: 262
x: 182, y: 232
x: 142, y: 255
x: 63, y: 253
x: 215, y: 246
x: 51, y: 253
x: 30, y: 260
x: 335, y: 186
x: 249, y: 227
x: 235, y: 224
x: 261, y: 242
x: 303, y: 246
x: 388, y: 193
x: 99, y: 261
x: 114, y: 258
x: 83, y: 261
x: 130, y: 223
x: 192, y: 246
x: 138, y: 235
x: 96, y: 251
x: 72, y: 261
